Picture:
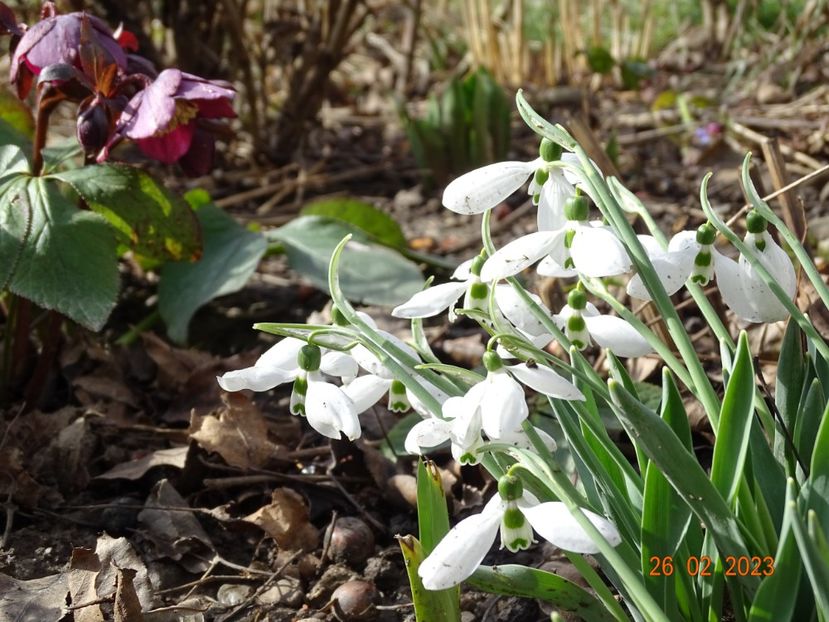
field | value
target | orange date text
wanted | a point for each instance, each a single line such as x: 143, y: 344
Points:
x: 704, y: 566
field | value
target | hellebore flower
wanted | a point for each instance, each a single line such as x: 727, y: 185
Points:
x: 515, y: 514
x: 433, y: 300
x: 483, y: 188
x: 576, y: 248
x: 328, y: 409
x: 742, y: 288
x: 162, y: 118
x: 57, y: 40
x: 582, y: 321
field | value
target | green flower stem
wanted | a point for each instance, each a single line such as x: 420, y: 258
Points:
x: 794, y: 244
x: 700, y: 382
x: 597, y: 584
x: 628, y: 573
x: 768, y: 279
x: 381, y: 345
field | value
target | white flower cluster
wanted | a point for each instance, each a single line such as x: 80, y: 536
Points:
x: 331, y: 388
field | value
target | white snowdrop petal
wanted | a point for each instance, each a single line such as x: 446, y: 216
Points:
x: 430, y: 301
x: 617, y: 335
x: 282, y: 355
x: 366, y: 391
x: 426, y: 434
x: 518, y: 312
x: 254, y: 379
x: 550, y: 267
x: 339, y: 364
x: 519, y: 438
x: 732, y: 283
x: 461, y: 550
x: 544, y: 380
x: 597, y: 252
x: 672, y: 272
x: 418, y: 406
x: 778, y: 263
x: 685, y: 243
x: 330, y: 411
x: 484, y: 188
x: 555, y: 191
x: 520, y: 254
x: 464, y: 271
x: 372, y: 364
x: 554, y: 522
x: 503, y: 405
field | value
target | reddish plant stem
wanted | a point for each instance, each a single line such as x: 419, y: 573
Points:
x: 51, y: 342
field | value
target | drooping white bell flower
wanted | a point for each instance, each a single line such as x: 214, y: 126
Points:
x: 690, y: 254
x: 499, y: 397
x: 582, y: 322
x: 433, y: 300
x: 328, y: 410
x: 742, y: 288
x: 515, y: 514
x: 483, y: 188
x: 517, y: 312
x: 463, y: 433
x: 579, y: 247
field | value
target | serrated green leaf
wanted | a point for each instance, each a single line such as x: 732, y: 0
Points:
x: 368, y: 272
x: 515, y: 580
x: 12, y: 162
x: 376, y: 224
x: 231, y: 255
x: 65, y: 257
x: 150, y: 219
x: 731, y: 446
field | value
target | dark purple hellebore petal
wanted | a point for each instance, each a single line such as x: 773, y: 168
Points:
x: 151, y: 111
x: 169, y: 147
x: 56, y: 40
x: 199, y: 158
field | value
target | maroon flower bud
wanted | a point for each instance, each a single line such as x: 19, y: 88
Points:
x: 94, y: 127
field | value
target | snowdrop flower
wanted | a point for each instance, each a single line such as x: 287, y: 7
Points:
x: 499, y: 398
x: 482, y: 189
x: 328, y: 409
x: 742, y: 288
x: 433, y: 300
x: 690, y: 254
x: 582, y: 323
x: 515, y: 514
x: 579, y: 247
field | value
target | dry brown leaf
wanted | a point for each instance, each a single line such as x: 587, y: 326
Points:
x: 84, y: 567
x: 97, y: 386
x: 127, y: 606
x: 135, y: 469
x: 286, y: 520
x: 117, y: 554
x: 239, y: 434
x: 176, y: 534
x: 37, y: 599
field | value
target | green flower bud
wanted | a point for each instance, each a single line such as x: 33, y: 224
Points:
x: 337, y: 317
x: 492, y: 361
x: 755, y: 223
x: 309, y: 358
x: 510, y: 487
x: 577, y: 299
x: 549, y: 151
x: 706, y: 234
x: 576, y: 208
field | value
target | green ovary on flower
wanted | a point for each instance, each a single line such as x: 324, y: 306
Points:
x: 549, y: 151
x: 492, y: 361
x: 309, y: 358
x: 510, y: 487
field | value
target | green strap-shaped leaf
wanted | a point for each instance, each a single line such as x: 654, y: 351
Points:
x: 375, y: 223
x: 791, y: 374
x: 684, y: 473
x: 429, y: 606
x: 515, y: 580
x: 67, y: 260
x: 731, y: 446
x: 814, y: 555
x: 149, y: 218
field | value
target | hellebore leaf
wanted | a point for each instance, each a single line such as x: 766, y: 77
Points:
x: 64, y: 258
x: 368, y: 272
x: 231, y: 255
x: 148, y: 218
x: 370, y: 220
